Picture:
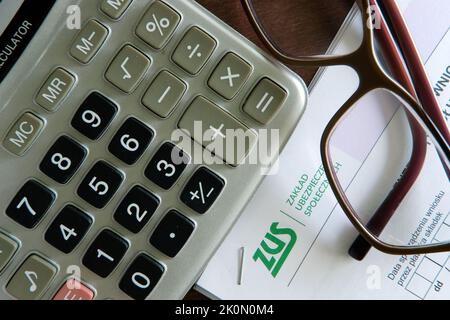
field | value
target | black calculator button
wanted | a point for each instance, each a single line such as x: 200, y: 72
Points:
x: 100, y: 184
x: 68, y: 229
x: 202, y: 190
x: 30, y: 204
x: 167, y: 165
x: 130, y: 142
x: 94, y: 115
x: 172, y: 233
x: 63, y: 159
x: 136, y: 209
x: 141, y: 277
x: 105, y: 253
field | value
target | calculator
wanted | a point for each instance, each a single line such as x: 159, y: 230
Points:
x: 116, y: 181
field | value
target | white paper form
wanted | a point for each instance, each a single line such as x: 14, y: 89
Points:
x: 314, y: 263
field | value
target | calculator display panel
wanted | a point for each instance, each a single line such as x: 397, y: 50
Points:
x: 19, y: 21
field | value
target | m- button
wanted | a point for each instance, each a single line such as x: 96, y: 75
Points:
x: 89, y: 41
x: 55, y: 89
x: 23, y: 133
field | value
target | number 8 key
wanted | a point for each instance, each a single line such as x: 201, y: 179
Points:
x: 63, y: 159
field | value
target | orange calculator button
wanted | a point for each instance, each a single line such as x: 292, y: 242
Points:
x: 74, y: 290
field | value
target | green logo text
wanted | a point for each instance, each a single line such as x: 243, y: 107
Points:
x: 273, y: 250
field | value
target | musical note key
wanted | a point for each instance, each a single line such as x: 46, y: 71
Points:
x: 32, y: 278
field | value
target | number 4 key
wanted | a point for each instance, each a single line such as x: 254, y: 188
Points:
x: 68, y: 229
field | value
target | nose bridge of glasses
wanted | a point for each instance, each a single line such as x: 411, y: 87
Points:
x: 366, y: 64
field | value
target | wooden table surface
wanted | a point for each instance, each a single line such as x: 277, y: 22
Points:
x: 313, y: 32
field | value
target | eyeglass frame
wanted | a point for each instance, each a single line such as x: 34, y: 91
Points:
x: 421, y: 107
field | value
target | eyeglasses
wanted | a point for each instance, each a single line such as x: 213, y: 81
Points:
x: 387, y: 147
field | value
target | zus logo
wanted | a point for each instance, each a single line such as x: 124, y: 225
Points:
x: 73, y: 21
x: 275, y: 248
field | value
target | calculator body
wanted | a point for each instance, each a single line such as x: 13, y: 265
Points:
x: 50, y: 50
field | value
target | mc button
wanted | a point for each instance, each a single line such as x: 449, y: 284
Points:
x: 23, y: 133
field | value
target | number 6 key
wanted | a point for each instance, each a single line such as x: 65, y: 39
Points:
x: 130, y: 142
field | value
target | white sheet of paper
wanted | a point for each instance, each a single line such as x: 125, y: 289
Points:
x: 318, y: 266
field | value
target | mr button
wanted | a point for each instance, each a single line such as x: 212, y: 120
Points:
x: 55, y: 89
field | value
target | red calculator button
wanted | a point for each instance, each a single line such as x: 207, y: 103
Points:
x: 74, y: 290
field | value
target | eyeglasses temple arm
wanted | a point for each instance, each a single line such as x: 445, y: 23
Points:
x: 416, y: 68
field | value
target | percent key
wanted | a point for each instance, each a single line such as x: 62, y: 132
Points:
x: 158, y: 24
